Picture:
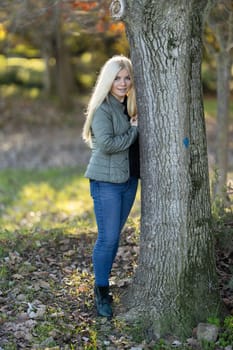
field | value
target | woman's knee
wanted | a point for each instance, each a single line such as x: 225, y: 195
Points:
x: 107, y: 244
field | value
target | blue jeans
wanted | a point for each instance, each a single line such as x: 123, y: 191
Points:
x: 112, y: 205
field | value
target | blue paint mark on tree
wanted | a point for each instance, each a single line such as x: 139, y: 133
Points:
x: 186, y: 142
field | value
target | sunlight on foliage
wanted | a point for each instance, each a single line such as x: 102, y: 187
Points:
x: 21, y: 76
x: 2, y: 32
x: 86, y: 79
x: 32, y: 63
x: 15, y: 90
x: 3, y: 63
x: 34, y: 93
x: 9, y: 90
x: 86, y: 57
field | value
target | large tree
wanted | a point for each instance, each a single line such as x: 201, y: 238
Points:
x: 175, y: 285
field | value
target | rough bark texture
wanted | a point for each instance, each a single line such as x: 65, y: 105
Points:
x: 175, y: 284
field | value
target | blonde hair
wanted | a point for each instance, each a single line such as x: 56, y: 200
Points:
x: 102, y: 88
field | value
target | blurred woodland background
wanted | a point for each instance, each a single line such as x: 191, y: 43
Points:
x: 50, y: 54
x: 55, y: 48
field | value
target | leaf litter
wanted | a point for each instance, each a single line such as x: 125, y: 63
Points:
x: 46, y: 293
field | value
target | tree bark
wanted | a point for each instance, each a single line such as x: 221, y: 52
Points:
x: 49, y: 74
x: 175, y: 285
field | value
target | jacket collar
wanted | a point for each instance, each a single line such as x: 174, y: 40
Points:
x: 115, y: 101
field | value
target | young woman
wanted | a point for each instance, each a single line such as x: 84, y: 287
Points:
x: 112, y: 133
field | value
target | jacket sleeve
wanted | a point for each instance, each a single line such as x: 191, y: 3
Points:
x: 102, y: 129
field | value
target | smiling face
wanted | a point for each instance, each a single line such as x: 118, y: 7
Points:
x: 121, y: 85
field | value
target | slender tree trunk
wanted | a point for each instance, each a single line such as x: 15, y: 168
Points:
x: 64, y: 76
x: 49, y: 74
x: 224, y: 63
x: 175, y: 283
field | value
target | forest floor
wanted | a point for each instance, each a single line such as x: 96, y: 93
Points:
x: 46, y: 279
x: 46, y: 301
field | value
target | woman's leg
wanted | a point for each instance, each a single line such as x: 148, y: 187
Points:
x: 107, y: 205
x: 112, y: 204
x: 127, y: 199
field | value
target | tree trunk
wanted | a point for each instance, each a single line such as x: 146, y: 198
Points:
x: 224, y: 63
x: 64, y: 76
x: 175, y: 284
x: 49, y: 74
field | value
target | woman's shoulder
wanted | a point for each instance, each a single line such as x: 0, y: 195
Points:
x: 105, y: 104
x: 105, y: 107
x: 109, y: 107
x: 102, y: 113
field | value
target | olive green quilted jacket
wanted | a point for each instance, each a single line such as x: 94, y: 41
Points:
x: 112, y: 136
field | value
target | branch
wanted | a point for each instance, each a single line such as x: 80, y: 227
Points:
x: 117, y: 9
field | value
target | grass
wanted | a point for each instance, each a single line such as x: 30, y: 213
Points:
x: 51, y: 198
x: 210, y: 107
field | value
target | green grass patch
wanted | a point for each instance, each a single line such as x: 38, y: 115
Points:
x: 54, y: 199
x: 210, y: 107
x: 38, y: 203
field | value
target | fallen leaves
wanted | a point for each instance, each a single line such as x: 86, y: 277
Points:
x: 46, y: 295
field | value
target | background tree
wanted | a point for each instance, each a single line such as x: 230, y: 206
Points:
x: 40, y: 23
x: 175, y: 284
x: 61, y: 31
x: 44, y: 24
x: 220, y: 20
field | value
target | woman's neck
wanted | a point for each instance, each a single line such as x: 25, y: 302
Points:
x: 121, y: 99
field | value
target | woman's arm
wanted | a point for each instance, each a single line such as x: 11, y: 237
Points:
x: 102, y: 128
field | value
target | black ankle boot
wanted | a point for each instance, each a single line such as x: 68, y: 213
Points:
x: 102, y: 301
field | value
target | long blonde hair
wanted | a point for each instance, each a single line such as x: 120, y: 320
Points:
x: 102, y: 88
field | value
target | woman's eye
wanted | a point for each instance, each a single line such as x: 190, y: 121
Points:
x: 119, y: 78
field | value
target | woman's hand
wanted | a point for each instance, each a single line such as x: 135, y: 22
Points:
x: 134, y: 120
